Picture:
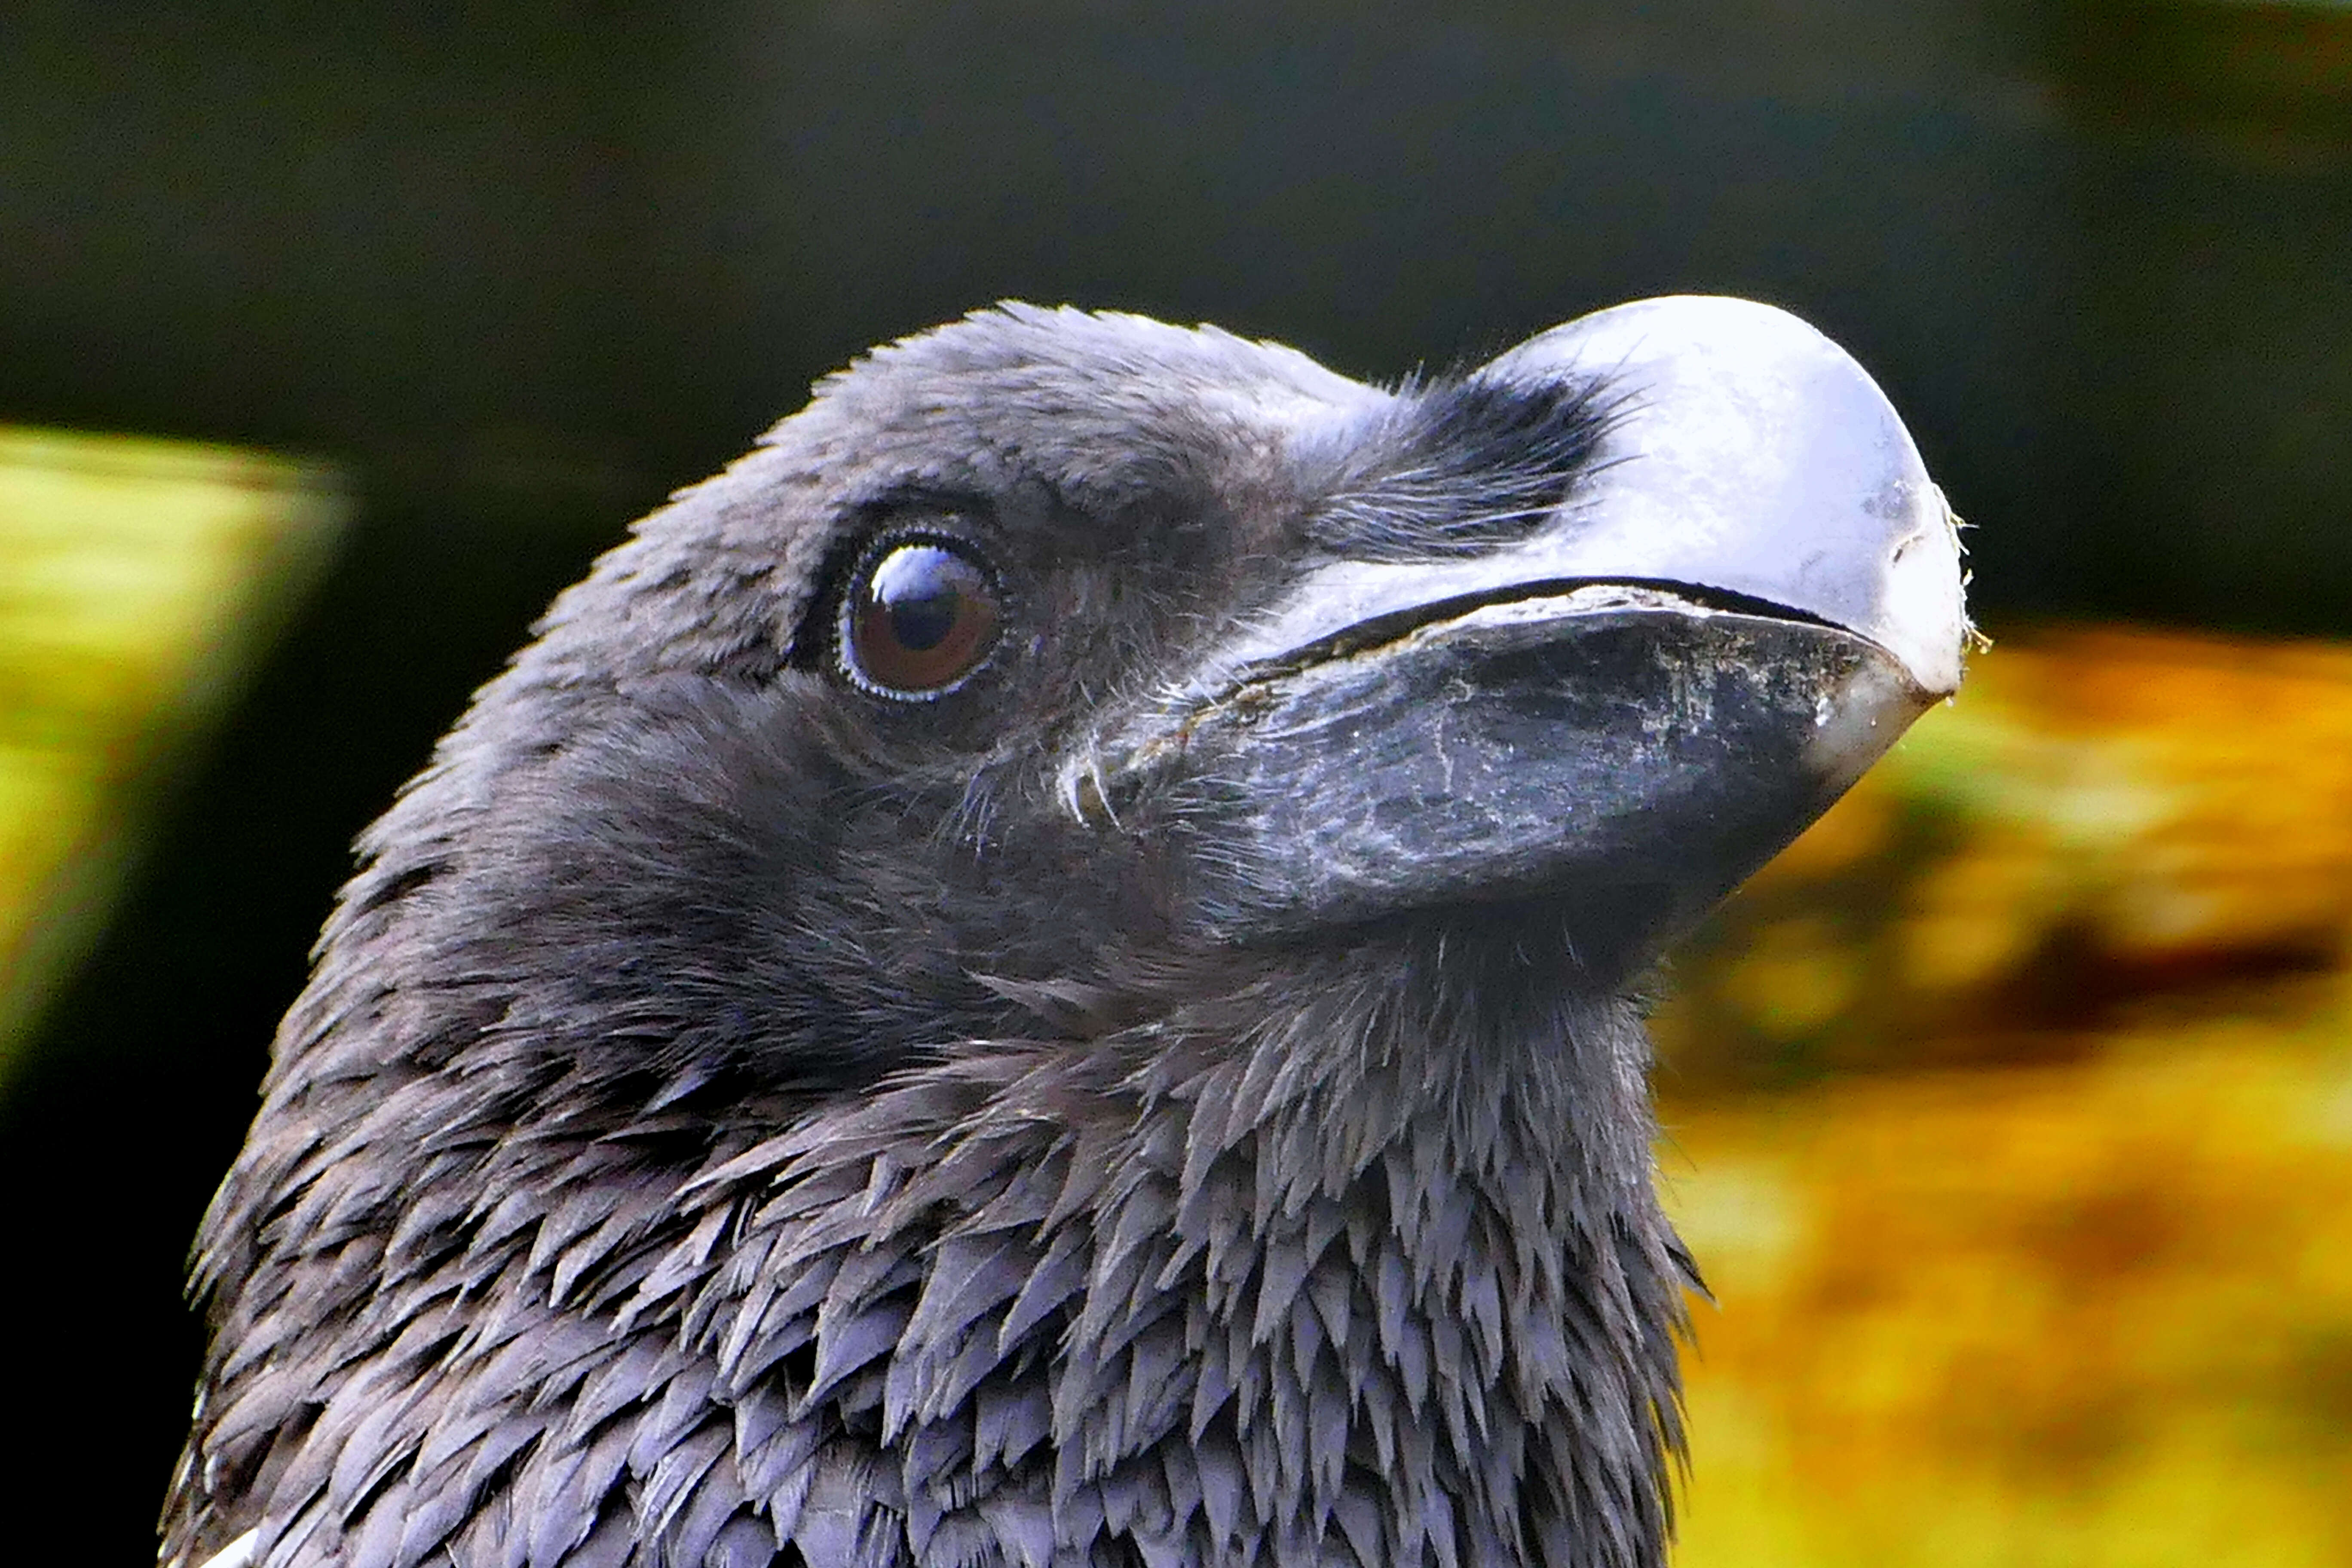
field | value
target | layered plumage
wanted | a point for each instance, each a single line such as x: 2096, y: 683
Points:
x: 747, y: 1112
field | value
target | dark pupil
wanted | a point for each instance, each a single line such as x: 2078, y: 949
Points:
x: 920, y: 588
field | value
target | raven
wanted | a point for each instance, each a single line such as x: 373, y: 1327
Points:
x: 1048, y: 969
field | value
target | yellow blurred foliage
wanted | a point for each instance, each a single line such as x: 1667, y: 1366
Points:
x: 2011, y: 1117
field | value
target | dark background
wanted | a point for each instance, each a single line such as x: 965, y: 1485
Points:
x: 520, y: 269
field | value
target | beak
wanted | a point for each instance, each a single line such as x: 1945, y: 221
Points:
x: 1750, y: 592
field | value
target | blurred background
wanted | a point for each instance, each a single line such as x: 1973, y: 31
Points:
x: 2010, y: 1113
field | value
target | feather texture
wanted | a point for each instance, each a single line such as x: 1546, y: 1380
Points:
x: 736, y: 1122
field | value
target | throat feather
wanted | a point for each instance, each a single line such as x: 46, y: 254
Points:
x: 1216, y: 1308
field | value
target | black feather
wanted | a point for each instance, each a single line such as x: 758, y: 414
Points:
x: 737, y: 1119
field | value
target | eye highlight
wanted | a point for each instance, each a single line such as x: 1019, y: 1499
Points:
x: 920, y: 614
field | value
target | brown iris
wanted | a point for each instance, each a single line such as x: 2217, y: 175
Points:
x: 920, y: 618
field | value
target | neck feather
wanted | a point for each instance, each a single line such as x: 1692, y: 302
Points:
x: 1242, y: 1284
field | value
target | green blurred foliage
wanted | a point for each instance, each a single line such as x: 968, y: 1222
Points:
x: 137, y: 580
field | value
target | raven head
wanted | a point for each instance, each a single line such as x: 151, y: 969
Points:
x: 1001, y: 881
x: 1055, y: 653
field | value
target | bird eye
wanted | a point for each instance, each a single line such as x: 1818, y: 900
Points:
x: 919, y: 618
